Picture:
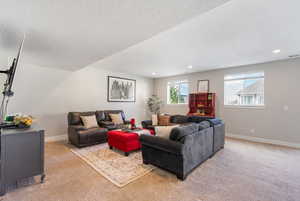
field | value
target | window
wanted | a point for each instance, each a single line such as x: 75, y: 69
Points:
x: 178, y: 92
x: 244, y: 89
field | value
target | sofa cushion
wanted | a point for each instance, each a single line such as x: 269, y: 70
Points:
x: 215, y: 121
x: 89, y: 121
x: 74, y: 117
x: 179, y: 119
x: 178, y: 133
x: 100, y: 116
x: 204, y: 125
x: 164, y: 131
x: 107, y: 112
x: 92, y: 135
x: 197, y: 119
x: 116, y: 118
x: 92, y: 131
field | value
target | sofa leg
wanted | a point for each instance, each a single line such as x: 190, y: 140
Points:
x: 110, y: 147
x: 145, y: 162
x: 181, y: 177
x: 126, y: 153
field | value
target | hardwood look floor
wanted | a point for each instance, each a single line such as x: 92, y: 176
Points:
x: 243, y: 171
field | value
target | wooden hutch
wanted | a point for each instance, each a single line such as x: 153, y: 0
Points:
x: 202, y: 104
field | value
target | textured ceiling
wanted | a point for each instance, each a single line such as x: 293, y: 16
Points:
x: 70, y: 34
x: 239, y: 32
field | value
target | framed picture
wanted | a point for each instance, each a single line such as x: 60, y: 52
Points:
x: 120, y: 89
x: 203, y: 86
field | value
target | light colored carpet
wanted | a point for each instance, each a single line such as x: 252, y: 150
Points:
x: 243, y: 171
x: 115, y: 167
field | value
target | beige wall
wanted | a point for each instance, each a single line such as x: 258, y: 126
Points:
x: 49, y: 94
x: 282, y: 82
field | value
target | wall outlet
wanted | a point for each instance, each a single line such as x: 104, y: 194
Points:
x: 252, y: 130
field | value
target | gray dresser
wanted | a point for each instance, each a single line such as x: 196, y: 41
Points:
x: 22, y: 155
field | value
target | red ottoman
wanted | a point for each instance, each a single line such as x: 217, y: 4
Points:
x: 124, y: 141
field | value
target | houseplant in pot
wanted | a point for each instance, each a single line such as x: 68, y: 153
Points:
x: 154, y: 104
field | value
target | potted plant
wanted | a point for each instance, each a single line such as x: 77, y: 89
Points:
x: 154, y: 103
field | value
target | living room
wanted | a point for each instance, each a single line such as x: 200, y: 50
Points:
x: 113, y: 91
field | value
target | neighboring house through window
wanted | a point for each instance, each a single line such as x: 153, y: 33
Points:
x: 244, y: 89
x: 177, y: 92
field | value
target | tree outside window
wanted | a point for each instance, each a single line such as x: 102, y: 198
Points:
x: 178, y: 92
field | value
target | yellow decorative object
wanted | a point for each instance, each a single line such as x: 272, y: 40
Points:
x: 23, y: 119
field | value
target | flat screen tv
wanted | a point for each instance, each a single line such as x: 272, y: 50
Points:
x: 7, y: 90
x: 11, y: 74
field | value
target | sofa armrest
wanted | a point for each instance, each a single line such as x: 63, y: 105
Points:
x: 147, y: 124
x: 77, y: 127
x: 162, y: 144
x: 215, y: 121
x: 73, y: 133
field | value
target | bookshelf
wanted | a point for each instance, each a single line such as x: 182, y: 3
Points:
x: 202, y: 104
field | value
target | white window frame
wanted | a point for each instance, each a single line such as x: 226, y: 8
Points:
x: 244, y: 78
x: 177, y: 82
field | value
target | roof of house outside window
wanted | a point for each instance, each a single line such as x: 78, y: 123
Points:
x: 255, y: 88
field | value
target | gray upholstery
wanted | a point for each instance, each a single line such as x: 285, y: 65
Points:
x: 187, y: 148
x: 204, y: 125
x: 219, y: 134
x: 203, y: 122
x: 179, y: 119
x: 179, y: 133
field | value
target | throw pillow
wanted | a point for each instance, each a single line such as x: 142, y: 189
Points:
x: 154, y: 120
x: 89, y: 121
x: 164, y: 120
x: 164, y: 131
x: 116, y: 118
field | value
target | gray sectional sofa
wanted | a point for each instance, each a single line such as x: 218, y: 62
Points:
x: 188, y: 145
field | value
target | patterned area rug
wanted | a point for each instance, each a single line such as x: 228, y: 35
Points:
x: 113, y: 165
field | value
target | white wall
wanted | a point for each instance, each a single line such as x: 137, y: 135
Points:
x: 49, y: 94
x: 282, y: 82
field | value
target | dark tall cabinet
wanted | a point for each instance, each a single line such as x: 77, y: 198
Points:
x: 202, y: 104
x: 22, y: 155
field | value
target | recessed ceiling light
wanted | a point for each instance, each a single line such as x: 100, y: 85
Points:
x: 276, y: 51
x: 153, y: 73
x: 190, y: 67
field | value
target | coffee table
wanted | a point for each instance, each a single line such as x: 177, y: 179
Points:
x: 125, y: 141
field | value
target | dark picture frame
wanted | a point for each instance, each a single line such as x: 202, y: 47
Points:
x: 203, y: 86
x: 121, y: 89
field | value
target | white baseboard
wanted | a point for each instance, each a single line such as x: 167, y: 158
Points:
x: 56, y: 138
x: 264, y: 140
